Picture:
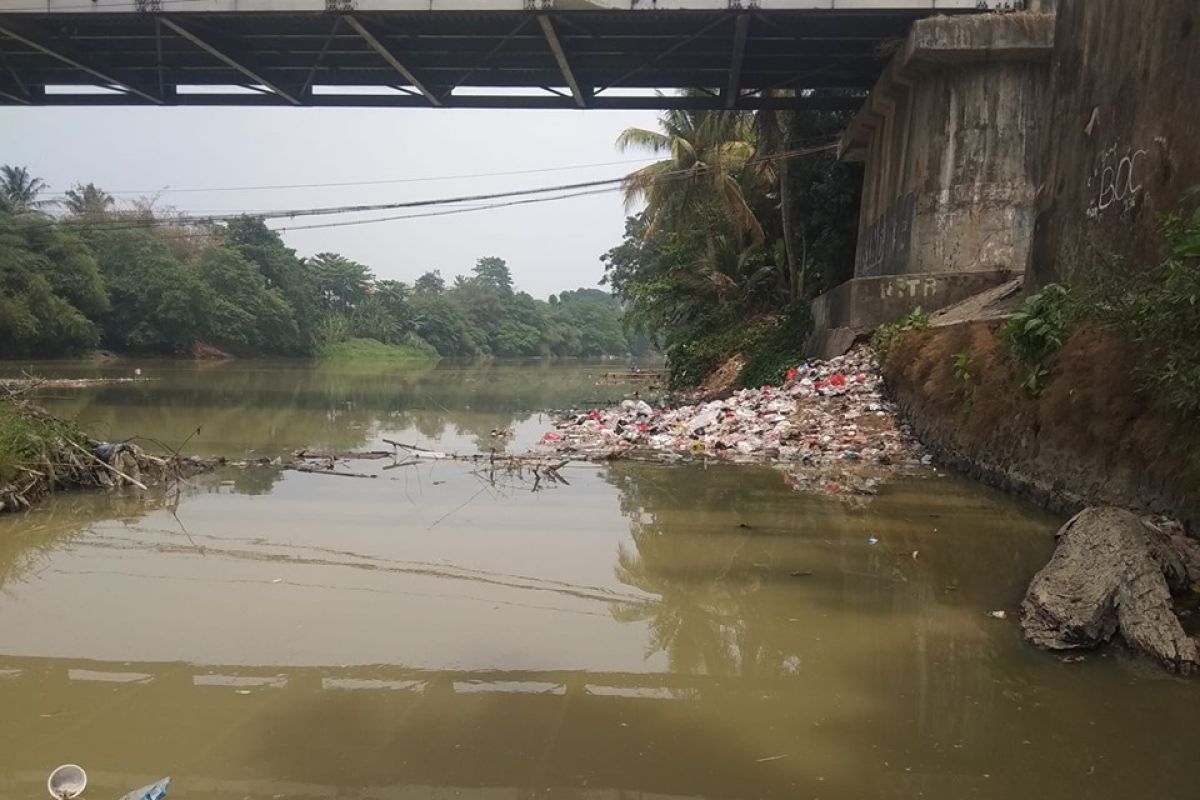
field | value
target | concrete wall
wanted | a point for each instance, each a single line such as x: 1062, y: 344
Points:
x: 1125, y: 103
x: 855, y: 307
x: 951, y: 137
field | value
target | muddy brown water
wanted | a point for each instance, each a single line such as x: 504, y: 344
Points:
x: 646, y: 632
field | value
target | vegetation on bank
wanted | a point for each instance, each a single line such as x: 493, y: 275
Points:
x: 374, y: 352
x: 747, y: 217
x: 137, y: 280
x: 1155, y: 309
x: 38, y: 453
x: 27, y: 439
x: 1087, y: 394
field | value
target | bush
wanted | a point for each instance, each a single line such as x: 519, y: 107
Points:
x: 702, y: 346
x: 372, y: 351
x: 778, y: 347
x: 1036, y: 332
x: 1158, y: 309
x: 887, y: 335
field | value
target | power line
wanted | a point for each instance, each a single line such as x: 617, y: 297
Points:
x: 384, y: 181
x: 381, y: 182
x: 135, y: 225
x: 610, y: 184
x: 448, y: 212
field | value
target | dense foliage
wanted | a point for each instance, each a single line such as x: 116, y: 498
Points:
x: 1157, y: 308
x: 744, y: 222
x: 1035, y: 332
x: 134, y: 281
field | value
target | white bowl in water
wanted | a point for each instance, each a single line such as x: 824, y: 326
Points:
x: 67, y: 782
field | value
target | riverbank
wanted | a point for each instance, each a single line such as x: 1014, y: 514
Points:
x: 1093, y: 434
x: 41, y: 454
x: 372, y: 353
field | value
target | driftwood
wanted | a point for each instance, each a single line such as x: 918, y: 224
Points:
x: 530, y: 470
x: 1114, y: 573
x: 330, y: 471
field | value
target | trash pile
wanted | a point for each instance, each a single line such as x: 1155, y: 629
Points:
x: 827, y: 414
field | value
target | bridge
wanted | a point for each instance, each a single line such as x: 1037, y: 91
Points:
x: 544, y: 54
x: 263, y: 732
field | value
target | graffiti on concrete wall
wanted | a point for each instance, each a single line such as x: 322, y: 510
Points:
x: 1116, y: 180
x: 910, y: 288
x: 883, y: 247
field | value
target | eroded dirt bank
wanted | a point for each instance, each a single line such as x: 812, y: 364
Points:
x: 1092, y: 436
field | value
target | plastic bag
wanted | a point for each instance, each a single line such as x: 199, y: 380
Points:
x: 155, y: 791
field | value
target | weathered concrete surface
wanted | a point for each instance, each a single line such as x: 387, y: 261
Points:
x: 1114, y: 573
x: 858, y: 306
x: 1123, y: 99
x: 951, y: 140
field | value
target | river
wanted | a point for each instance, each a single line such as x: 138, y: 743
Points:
x: 645, y: 631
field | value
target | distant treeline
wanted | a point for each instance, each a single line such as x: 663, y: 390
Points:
x: 135, y: 281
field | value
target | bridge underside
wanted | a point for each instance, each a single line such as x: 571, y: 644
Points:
x: 523, y: 54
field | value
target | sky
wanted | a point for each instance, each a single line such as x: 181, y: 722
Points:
x: 548, y: 246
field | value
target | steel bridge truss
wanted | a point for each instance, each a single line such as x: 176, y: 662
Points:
x: 636, y: 54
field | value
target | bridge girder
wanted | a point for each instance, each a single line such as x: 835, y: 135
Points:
x: 730, y: 54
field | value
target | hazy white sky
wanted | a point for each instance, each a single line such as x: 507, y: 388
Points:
x: 549, y: 246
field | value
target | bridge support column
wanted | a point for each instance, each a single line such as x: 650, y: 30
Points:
x: 949, y: 138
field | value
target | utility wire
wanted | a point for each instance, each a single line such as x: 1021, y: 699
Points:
x: 381, y: 182
x: 563, y: 191
x: 386, y: 181
x: 613, y: 182
x: 448, y: 212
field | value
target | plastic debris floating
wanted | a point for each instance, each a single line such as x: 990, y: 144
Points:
x: 827, y: 414
x: 67, y: 782
x: 155, y: 791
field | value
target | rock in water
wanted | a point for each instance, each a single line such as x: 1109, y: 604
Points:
x: 1113, y: 572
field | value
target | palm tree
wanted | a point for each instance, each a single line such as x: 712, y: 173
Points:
x: 88, y: 201
x: 706, y: 166
x: 19, y: 190
x: 686, y: 620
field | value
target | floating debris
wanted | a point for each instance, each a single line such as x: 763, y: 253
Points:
x: 828, y: 414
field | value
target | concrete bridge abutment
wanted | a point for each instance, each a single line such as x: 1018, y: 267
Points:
x: 950, y: 138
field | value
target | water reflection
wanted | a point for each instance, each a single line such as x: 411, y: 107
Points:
x: 646, y: 631
x: 271, y: 407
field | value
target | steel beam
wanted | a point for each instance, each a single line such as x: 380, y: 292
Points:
x: 225, y: 54
x: 388, y: 56
x: 17, y: 82
x: 67, y: 54
x: 469, y: 101
x: 312, y: 73
x: 14, y: 98
x: 41, y: 7
x: 560, y: 55
x: 741, y: 27
x: 660, y: 56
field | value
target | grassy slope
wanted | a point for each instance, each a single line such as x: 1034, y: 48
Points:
x: 370, y: 351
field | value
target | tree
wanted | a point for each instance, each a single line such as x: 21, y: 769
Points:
x: 341, y: 283
x: 158, y: 304
x: 442, y: 323
x: 493, y: 273
x: 88, y: 201
x: 244, y: 314
x: 38, y: 312
x: 706, y: 165
x: 282, y: 270
x: 430, y: 283
x: 19, y: 190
